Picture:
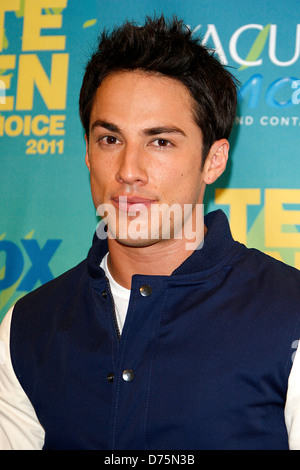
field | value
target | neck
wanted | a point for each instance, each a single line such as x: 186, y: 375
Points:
x: 160, y: 258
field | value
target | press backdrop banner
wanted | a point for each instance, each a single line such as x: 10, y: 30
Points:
x: 47, y: 218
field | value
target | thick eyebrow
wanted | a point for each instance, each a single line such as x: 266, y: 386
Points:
x: 163, y: 130
x: 150, y: 131
x: 107, y: 125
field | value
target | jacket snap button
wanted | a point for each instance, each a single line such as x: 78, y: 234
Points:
x: 104, y: 293
x: 145, y: 290
x: 110, y: 377
x: 128, y: 375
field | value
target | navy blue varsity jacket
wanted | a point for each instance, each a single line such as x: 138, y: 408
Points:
x: 202, y: 363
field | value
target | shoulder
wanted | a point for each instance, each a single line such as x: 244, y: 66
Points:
x: 65, y: 282
x: 269, y: 275
x: 71, y: 281
x: 39, y: 314
x: 263, y: 261
x: 43, y: 304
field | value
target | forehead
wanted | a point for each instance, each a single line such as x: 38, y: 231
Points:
x: 138, y: 95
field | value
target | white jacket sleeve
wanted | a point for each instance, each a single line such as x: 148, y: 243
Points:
x: 19, y: 426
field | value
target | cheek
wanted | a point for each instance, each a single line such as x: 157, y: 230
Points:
x: 188, y: 186
x: 99, y: 171
x: 98, y: 185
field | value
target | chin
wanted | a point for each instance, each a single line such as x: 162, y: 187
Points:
x: 137, y: 243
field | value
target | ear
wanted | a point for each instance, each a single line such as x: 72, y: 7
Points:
x: 87, y: 160
x: 216, y: 161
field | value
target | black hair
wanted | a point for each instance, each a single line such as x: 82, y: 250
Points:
x: 166, y: 47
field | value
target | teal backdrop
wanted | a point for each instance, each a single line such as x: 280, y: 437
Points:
x: 47, y: 218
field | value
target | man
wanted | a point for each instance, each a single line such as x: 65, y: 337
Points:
x: 163, y: 338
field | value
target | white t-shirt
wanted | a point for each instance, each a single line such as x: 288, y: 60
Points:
x: 120, y: 294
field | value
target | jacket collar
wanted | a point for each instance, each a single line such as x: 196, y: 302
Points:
x: 218, y: 242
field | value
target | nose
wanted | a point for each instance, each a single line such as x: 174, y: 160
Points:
x: 132, y: 166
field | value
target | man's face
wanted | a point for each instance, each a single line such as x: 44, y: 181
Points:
x: 143, y: 152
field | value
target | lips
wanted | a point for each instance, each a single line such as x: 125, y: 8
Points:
x: 132, y: 203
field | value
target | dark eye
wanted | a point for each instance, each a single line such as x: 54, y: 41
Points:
x: 108, y: 140
x: 162, y: 143
x: 111, y: 140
